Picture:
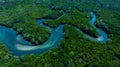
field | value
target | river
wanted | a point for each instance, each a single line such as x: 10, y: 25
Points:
x: 19, y: 46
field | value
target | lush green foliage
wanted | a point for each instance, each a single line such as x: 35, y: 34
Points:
x: 7, y: 59
x: 23, y: 19
x: 74, y: 50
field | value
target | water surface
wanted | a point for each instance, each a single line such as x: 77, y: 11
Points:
x: 19, y: 46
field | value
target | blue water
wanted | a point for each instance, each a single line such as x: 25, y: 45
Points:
x: 19, y: 46
x: 102, y: 35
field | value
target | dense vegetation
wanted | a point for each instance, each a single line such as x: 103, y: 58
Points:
x: 7, y: 59
x: 22, y: 17
x: 74, y: 50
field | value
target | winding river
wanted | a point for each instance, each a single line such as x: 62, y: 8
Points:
x: 19, y: 46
